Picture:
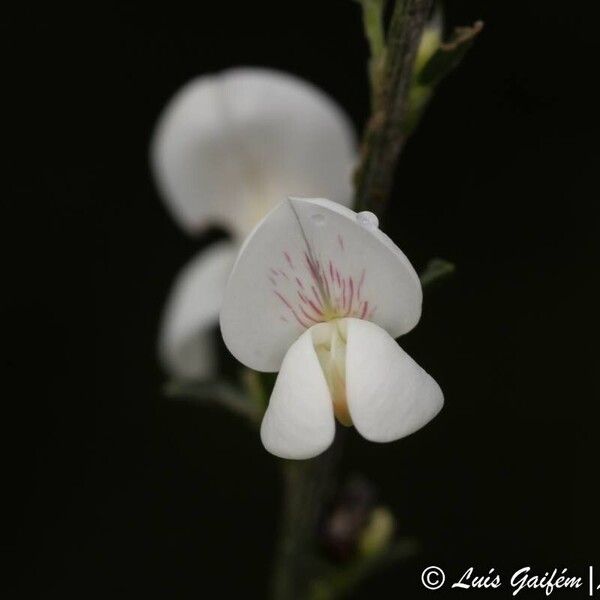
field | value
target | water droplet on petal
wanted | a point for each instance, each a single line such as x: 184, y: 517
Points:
x: 318, y: 219
x: 367, y: 219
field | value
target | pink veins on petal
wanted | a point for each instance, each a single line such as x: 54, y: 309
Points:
x: 325, y: 293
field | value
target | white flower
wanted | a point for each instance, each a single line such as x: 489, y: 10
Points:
x: 228, y: 148
x: 318, y: 293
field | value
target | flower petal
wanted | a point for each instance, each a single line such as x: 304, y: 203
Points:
x: 308, y: 261
x: 186, y: 341
x: 229, y: 146
x: 389, y: 395
x: 299, y: 421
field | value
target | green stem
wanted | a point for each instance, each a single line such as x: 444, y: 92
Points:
x: 386, y: 132
x: 308, y: 485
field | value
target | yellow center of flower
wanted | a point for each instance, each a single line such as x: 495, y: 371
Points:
x: 329, y: 340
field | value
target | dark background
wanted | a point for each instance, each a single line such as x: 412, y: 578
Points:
x: 115, y: 491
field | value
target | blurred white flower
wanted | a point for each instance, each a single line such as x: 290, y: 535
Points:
x: 227, y: 148
x: 318, y: 293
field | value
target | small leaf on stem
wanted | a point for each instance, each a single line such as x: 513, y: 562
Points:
x: 449, y: 54
x: 434, y: 69
x: 436, y: 270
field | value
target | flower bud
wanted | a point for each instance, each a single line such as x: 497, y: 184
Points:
x: 345, y: 523
x: 378, y: 532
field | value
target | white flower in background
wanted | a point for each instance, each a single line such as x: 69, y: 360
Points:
x: 318, y: 293
x: 226, y: 150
